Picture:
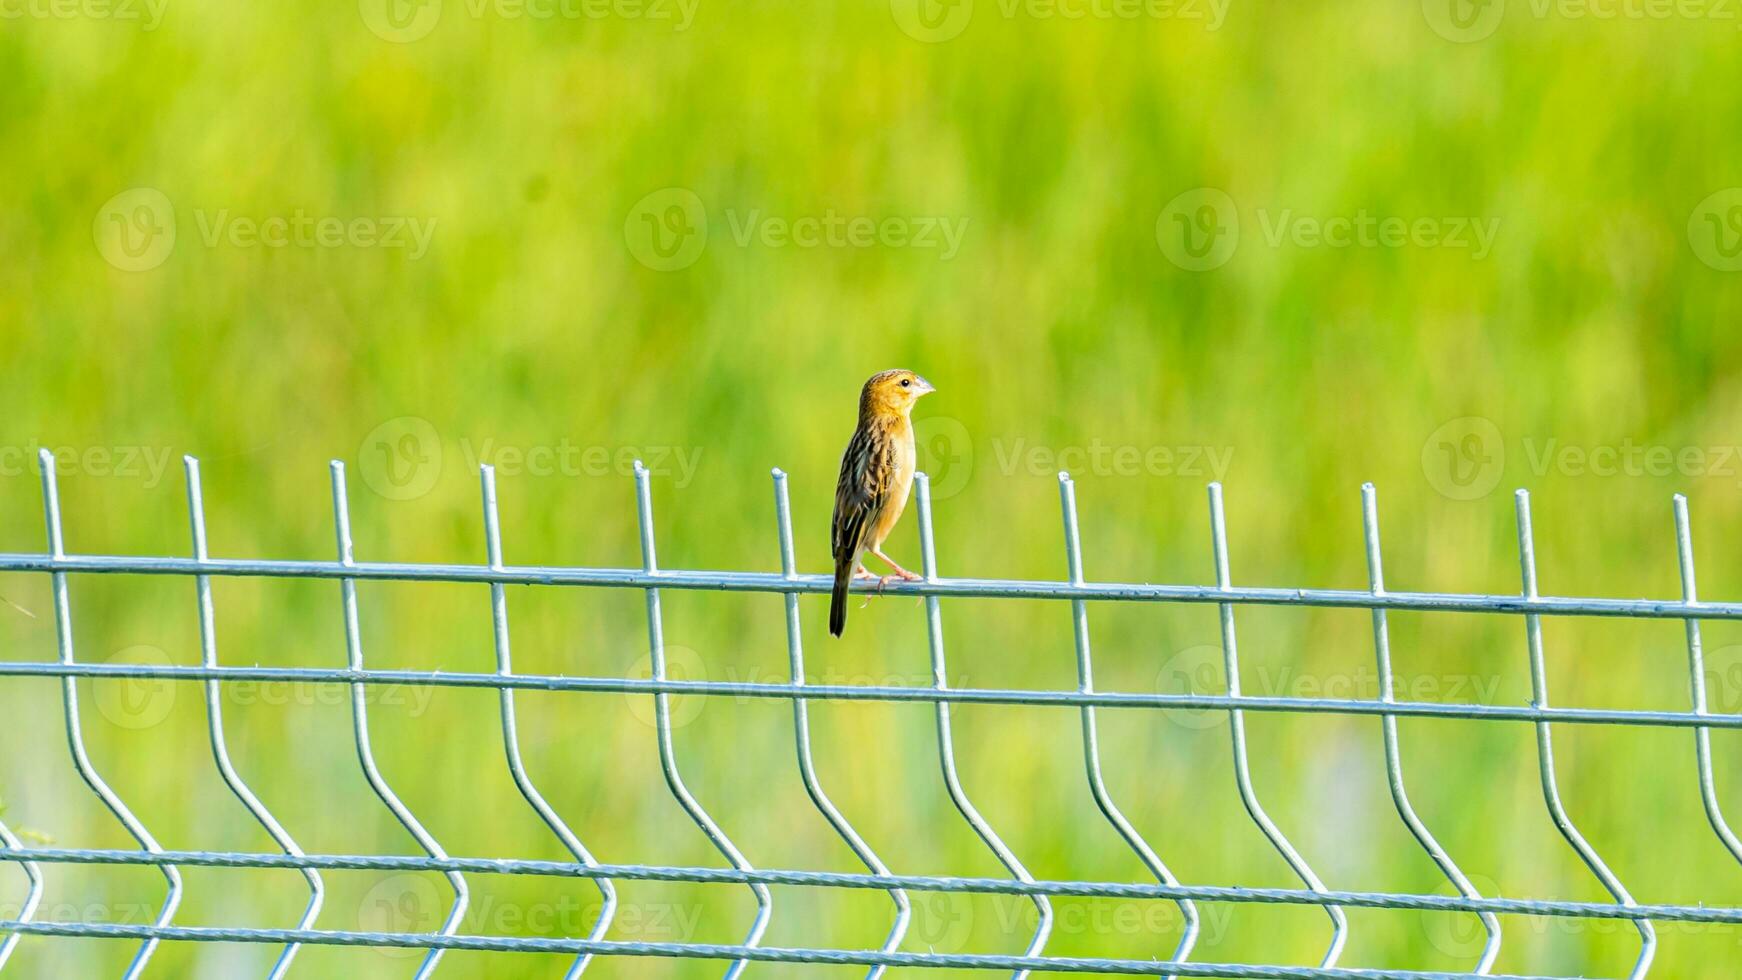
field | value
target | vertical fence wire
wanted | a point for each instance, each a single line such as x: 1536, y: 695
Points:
x: 1237, y: 730
x: 1545, y: 746
x: 1091, y: 739
x: 215, y: 720
x: 360, y: 724
x: 1697, y: 682
x: 946, y: 742
x: 662, y: 722
x: 1394, y: 754
x: 63, y: 624
x: 802, y: 728
x: 510, y: 731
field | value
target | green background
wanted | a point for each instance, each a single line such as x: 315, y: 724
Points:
x: 529, y: 145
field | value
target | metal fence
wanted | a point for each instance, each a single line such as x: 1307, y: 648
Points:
x: 37, y: 862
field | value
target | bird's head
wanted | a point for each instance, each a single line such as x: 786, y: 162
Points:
x: 893, y: 392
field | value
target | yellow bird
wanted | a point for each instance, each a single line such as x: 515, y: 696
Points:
x: 876, y: 477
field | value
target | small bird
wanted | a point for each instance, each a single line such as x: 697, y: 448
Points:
x: 876, y: 477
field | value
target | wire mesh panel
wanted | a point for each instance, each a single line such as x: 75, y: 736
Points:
x: 588, y: 947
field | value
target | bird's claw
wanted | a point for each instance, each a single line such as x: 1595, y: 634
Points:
x: 901, y: 575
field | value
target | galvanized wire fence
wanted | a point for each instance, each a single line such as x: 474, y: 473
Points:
x: 37, y: 863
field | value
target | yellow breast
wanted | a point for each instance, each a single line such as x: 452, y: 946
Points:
x: 905, y: 461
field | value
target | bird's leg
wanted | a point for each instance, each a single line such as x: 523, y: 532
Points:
x: 861, y: 572
x: 900, y: 572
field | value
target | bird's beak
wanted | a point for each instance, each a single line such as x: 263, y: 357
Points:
x: 925, y: 387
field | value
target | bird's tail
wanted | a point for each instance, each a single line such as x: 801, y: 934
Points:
x: 838, y: 597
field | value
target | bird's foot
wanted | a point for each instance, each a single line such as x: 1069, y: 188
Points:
x: 900, y: 575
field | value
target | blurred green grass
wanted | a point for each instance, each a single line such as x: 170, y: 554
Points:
x: 531, y: 325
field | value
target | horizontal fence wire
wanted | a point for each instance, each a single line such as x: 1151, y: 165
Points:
x: 37, y: 863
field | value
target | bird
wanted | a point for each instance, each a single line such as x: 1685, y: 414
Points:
x: 876, y: 478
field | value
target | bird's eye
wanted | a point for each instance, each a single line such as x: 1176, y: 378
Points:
x: 905, y: 382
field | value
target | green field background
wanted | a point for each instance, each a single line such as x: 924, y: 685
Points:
x: 1594, y: 339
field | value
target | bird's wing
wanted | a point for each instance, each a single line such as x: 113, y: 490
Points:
x: 867, y: 475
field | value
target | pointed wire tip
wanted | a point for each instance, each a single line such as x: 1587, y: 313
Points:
x: 189, y: 459
x: 44, y: 457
